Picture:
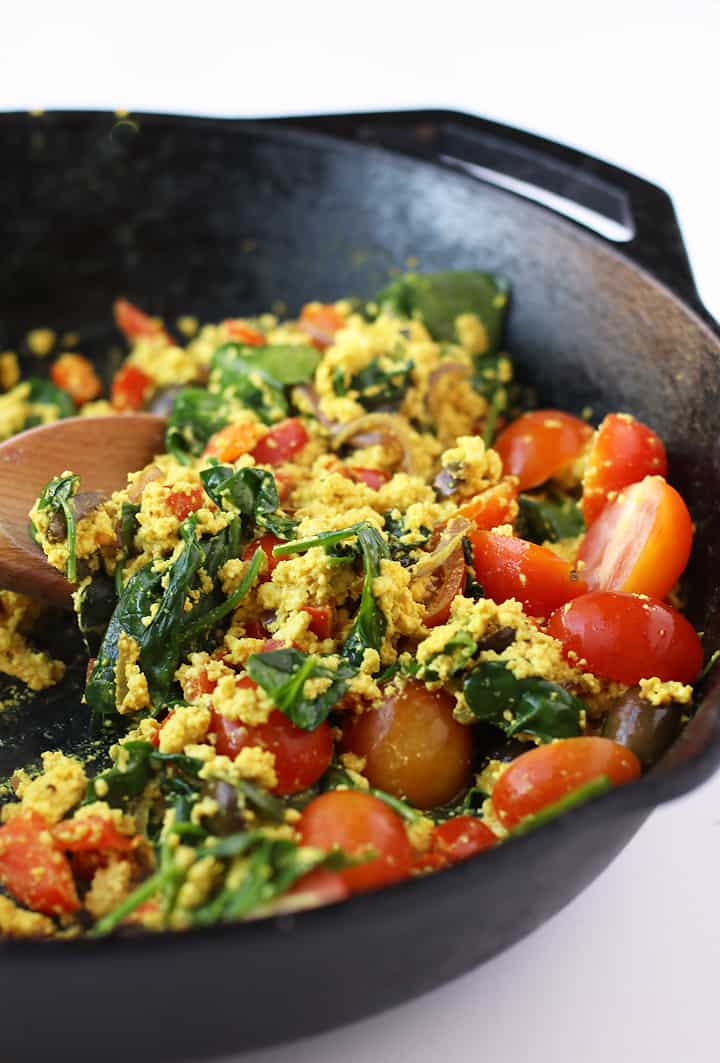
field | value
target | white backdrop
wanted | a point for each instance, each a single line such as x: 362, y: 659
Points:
x: 628, y: 971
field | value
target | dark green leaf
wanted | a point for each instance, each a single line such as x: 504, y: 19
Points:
x: 282, y: 675
x: 196, y: 415
x: 118, y: 786
x: 283, y: 364
x: 381, y: 384
x: 549, y: 519
x: 522, y: 706
x: 95, y: 608
x: 253, y: 493
x: 368, y: 630
x: 45, y: 393
x: 56, y: 496
x: 128, y: 524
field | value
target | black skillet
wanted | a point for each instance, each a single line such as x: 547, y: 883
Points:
x: 216, y: 218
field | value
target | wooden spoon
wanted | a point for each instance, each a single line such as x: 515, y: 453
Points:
x: 101, y: 450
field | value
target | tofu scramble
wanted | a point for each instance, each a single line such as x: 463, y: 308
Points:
x: 367, y: 615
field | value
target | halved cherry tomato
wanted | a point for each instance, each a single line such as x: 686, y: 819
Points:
x: 514, y: 568
x: 198, y: 684
x: 374, y: 478
x: 88, y: 833
x: 545, y: 774
x: 444, y: 584
x: 624, y: 451
x: 231, y: 442
x: 322, y: 618
x: 541, y: 444
x: 130, y: 388
x: 134, y: 322
x: 320, y: 321
x: 182, y: 501
x: 413, y: 746
x: 301, y: 757
x: 628, y: 637
x: 75, y: 375
x: 432, y: 860
x: 242, y: 333
x: 266, y: 543
x: 359, y: 823
x: 641, y: 541
x: 324, y: 886
x: 281, y: 443
x: 462, y: 837
x: 32, y: 867
x: 497, y: 505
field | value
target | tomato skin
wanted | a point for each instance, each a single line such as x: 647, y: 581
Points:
x: 624, y: 451
x: 356, y: 822
x: 540, y: 444
x: 75, y: 375
x: 33, y: 869
x: 266, y: 543
x: 321, y: 321
x: 183, y: 501
x: 462, y: 837
x: 373, y: 478
x: 242, y: 333
x: 327, y: 887
x: 547, y: 773
x: 322, y: 619
x: 628, y: 637
x: 281, y: 443
x: 134, y: 322
x: 130, y: 388
x: 514, y: 568
x: 413, y: 747
x: 497, y: 505
x: 641, y: 541
x: 90, y: 833
x: 444, y: 585
x: 301, y: 757
x: 231, y: 442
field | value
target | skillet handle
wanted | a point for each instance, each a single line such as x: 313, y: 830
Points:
x: 622, y: 207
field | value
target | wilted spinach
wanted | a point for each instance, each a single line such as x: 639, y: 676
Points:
x: 45, y: 393
x: 284, y: 364
x: 283, y: 673
x: 196, y: 415
x: 522, y: 706
x: 368, y: 629
x: 381, y: 384
x: 56, y: 497
x: 253, y: 493
x: 549, y: 519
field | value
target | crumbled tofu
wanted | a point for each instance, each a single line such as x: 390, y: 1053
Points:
x: 658, y: 692
x: 185, y: 726
x: 110, y: 885
x: 16, y: 922
x: 59, y: 787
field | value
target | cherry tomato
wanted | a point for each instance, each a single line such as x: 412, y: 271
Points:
x: 374, y: 478
x: 89, y: 833
x: 301, y: 757
x: 497, y: 505
x: 432, y: 860
x: 444, y: 584
x: 359, y: 823
x: 281, y: 443
x: 628, y: 637
x: 545, y: 774
x: 641, y: 541
x: 75, y: 375
x: 322, y: 618
x: 541, y: 444
x: 514, y: 568
x: 182, y: 501
x: 266, y: 543
x: 321, y: 321
x: 324, y: 886
x: 462, y: 837
x: 231, y: 442
x: 195, y: 685
x: 130, y: 388
x: 134, y: 322
x: 624, y: 451
x: 242, y: 333
x: 413, y: 747
x: 33, y: 869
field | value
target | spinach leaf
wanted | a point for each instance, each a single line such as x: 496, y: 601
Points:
x: 439, y: 298
x: 328, y: 540
x: 283, y: 673
x: 522, y: 706
x: 253, y: 493
x: 254, y: 391
x: 56, y: 496
x: 368, y: 630
x: 382, y: 383
x: 284, y: 364
x: 45, y: 393
x: 196, y: 415
x: 118, y: 785
x: 549, y: 519
x: 96, y: 605
x: 401, y: 548
x: 128, y: 524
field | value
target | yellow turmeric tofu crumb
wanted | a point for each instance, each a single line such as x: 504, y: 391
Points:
x: 58, y: 788
x: 658, y: 692
x: 110, y: 885
x: 17, y: 658
x: 16, y: 922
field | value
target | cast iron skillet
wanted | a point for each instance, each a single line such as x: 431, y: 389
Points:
x: 214, y: 218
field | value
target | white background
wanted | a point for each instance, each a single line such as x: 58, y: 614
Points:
x: 629, y: 971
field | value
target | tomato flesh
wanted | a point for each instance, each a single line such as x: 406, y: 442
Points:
x: 130, y: 388
x: 462, y: 837
x: 322, y: 619
x: 320, y: 321
x: 89, y: 834
x: 514, y: 568
x: 413, y: 747
x: 231, y: 442
x: 242, y: 333
x: 186, y: 500
x: 75, y: 375
x: 624, y: 451
x: 497, y: 505
x: 628, y: 637
x: 373, y: 478
x: 135, y: 323
x: 266, y: 543
x: 33, y: 869
x: 281, y: 443
x: 359, y: 823
x: 547, y: 773
x: 541, y: 444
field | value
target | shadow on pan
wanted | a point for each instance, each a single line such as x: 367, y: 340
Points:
x: 218, y: 218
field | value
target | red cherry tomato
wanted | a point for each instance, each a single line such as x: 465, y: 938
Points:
x: 547, y: 773
x: 322, y: 619
x: 432, y: 860
x: 374, y: 478
x: 182, y: 501
x: 513, y: 568
x: 445, y: 583
x: 32, y: 867
x: 321, y: 321
x: 641, y: 541
x: 301, y: 757
x: 134, y: 322
x: 75, y: 375
x: 266, y: 543
x: 90, y: 833
x: 624, y: 451
x: 413, y: 746
x: 242, y: 333
x: 497, y: 505
x: 359, y: 824
x: 541, y: 444
x: 628, y: 637
x: 130, y: 388
x: 462, y: 837
x: 281, y: 443
x: 325, y: 887
x: 196, y: 685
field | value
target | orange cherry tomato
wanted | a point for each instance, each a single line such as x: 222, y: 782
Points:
x: 301, y: 757
x: 32, y: 867
x: 462, y: 837
x: 541, y: 444
x: 266, y: 543
x: 130, y: 388
x: 444, y: 584
x: 231, y: 442
x: 623, y: 452
x: 281, y: 443
x: 628, y: 637
x: 497, y: 505
x: 374, y: 478
x: 641, y: 541
x: 75, y: 375
x: 134, y: 322
x: 90, y: 833
x: 322, y: 618
x: 359, y: 824
x: 242, y: 333
x: 182, y: 501
x: 514, y: 568
x: 413, y: 746
x: 320, y: 321
x: 547, y: 773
